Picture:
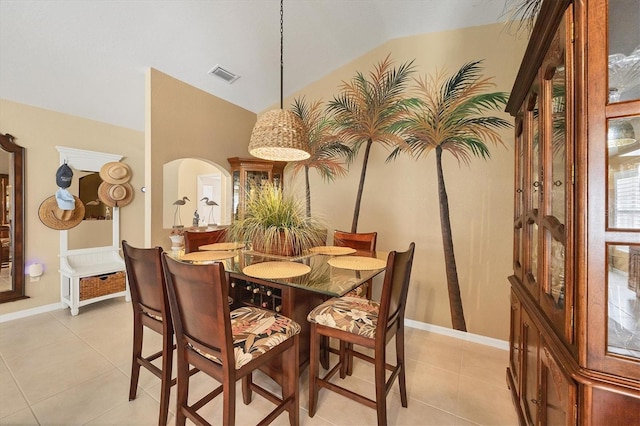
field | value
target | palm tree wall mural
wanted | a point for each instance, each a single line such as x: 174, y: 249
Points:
x: 326, y: 149
x: 366, y: 111
x: 449, y: 117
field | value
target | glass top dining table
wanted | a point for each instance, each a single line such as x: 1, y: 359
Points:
x: 326, y: 274
x: 306, y: 282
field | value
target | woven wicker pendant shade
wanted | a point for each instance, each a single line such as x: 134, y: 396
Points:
x: 279, y: 135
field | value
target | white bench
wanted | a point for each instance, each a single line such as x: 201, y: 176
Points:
x: 76, y: 264
x: 83, y: 263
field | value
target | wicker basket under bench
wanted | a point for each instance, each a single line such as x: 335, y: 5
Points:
x: 91, y: 275
x: 102, y: 285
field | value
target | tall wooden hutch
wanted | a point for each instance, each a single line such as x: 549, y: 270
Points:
x: 575, y: 310
x: 246, y: 172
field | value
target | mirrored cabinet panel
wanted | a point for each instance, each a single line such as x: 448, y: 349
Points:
x: 624, y: 50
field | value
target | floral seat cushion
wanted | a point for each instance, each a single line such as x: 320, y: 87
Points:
x: 358, y: 291
x: 255, y: 332
x: 356, y: 315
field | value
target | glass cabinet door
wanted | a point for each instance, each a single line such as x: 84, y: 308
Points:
x: 248, y: 173
x: 254, y: 178
x: 614, y: 229
x: 623, y: 260
x: 519, y: 208
x: 557, y: 160
x: 533, y: 190
x: 623, y: 180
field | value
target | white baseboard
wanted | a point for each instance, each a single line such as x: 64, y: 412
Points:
x: 470, y: 337
x: 28, y: 312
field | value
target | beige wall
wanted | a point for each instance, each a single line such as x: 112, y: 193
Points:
x: 185, y: 122
x: 400, y: 199
x: 40, y: 131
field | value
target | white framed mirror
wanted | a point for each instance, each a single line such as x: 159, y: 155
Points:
x: 89, y: 233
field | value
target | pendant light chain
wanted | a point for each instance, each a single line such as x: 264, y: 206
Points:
x: 279, y: 134
x: 281, y: 54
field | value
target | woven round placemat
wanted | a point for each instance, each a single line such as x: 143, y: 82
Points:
x: 357, y: 263
x: 203, y: 256
x: 332, y: 250
x: 221, y: 246
x: 274, y: 270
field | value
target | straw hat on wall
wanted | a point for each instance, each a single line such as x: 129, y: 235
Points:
x: 115, y: 173
x: 52, y: 216
x: 115, y: 195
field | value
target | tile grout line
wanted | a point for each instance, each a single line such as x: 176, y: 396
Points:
x: 24, y: 396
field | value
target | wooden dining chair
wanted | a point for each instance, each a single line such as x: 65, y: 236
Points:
x: 364, y: 241
x: 193, y: 240
x: 373, y: 327
x: 226, y: 345
x: 151, y: 310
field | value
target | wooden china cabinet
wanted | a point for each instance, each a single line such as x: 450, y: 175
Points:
x: 575, y: 308
x: 246, y: 172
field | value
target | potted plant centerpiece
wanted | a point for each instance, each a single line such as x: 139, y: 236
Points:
x: 276, y: 224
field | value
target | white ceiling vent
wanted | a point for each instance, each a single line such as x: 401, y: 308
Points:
x: 227, y: 76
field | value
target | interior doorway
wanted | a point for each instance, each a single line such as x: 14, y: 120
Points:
x: 186, y: 182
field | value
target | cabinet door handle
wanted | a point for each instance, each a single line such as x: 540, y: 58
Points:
x: 535, y: 401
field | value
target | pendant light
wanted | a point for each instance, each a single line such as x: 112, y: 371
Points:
x: 279, y: 135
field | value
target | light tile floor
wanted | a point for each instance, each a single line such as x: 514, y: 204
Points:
x: 56, y: 369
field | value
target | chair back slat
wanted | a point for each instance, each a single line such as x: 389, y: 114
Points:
x: 146, y: 280
x: 198, y: 297
x: 193, y: 240
x: 363, y: 241
x: 395, y: 287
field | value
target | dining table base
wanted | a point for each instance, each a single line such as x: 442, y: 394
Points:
x: 296, y: 303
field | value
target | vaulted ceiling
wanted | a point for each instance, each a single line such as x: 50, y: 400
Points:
x: 88, y: 58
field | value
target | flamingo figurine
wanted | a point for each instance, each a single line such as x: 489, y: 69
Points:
x: 210, y: 203
x: 178, y: 203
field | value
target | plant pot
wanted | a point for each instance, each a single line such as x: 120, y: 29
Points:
x: 177, y: 241
x: 280, y: 247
